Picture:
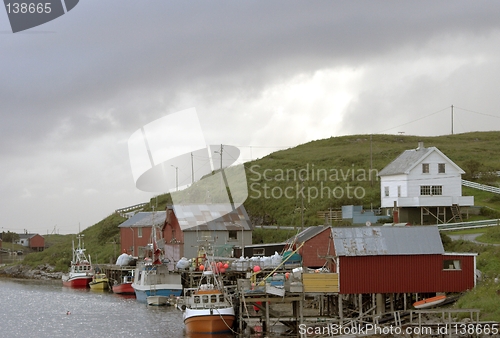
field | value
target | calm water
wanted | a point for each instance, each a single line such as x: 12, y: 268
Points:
x: 30, y: 308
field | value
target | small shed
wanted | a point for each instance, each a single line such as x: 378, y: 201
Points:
x: 317, y: 245
x: 34, y: 242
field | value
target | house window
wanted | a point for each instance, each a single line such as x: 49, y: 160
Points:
x: 431, y: 190
x: 441, y: 168
x: 386, y: 191
x: 139, y: 232
x: 233, y: 235
x: 437, y: 190
x: 452, y: 264
x: 258, y: 252
x: 425, y: 190
x: 399, y: 191
x: 425, y: 168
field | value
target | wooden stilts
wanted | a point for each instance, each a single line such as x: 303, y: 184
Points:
x: 341, y: 310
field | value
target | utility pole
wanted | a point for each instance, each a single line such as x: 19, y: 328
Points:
x: 302, y: 204
x: 451, y: 119
x: 176, y: 177
x: 221, y: 178
x: 371, y: 161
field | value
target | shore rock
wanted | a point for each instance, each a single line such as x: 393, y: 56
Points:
x: 44, y: 271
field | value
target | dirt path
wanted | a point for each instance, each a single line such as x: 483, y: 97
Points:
x: 470, y: 238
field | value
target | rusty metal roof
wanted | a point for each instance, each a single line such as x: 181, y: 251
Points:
x: 307, y: 233
x: 144, y: 219
x: 205, y: 217
x: 387, y: 240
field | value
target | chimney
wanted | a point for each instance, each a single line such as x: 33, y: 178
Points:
x: 420, y: 145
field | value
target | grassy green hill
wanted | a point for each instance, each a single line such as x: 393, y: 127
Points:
x: 343, y: 171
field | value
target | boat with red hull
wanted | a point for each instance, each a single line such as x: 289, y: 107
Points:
x: 80, y: 272
x: 125, y: 287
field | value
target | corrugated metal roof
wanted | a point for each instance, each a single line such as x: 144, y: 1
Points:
x: 307, y: 233
x: 404, y: 162
x: 144, y: 219
x: 26, y: 236
x: 200, y: 217
x: 372, y: 241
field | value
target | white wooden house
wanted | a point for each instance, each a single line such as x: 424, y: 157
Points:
x: 423, y: 186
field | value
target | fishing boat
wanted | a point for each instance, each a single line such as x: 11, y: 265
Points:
x: 152, y: 276
x: 80, y: 272
x: 125, y: 287
x: 429, y: 302
x: 99, y: 282
x: 208, y: 308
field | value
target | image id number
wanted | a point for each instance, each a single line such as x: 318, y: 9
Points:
x: 24, y: 7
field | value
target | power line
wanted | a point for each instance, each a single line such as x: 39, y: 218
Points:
x: 420, y: 118
x: 475, y: 112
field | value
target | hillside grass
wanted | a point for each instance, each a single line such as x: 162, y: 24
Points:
x: 343, y: 164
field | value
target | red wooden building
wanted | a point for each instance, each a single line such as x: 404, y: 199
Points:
x: 318, y: 245
x: 399, y: 260
x: 388, y: 259
x: 33, y: 241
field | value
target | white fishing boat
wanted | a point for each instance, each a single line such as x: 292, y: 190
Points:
x: 152, y: 276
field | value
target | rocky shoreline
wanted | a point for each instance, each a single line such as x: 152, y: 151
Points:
x: 43, y: 272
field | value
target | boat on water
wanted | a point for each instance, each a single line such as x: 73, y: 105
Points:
x: 80, y: 272
x: 99, y: 282
x: 125, y: 287
x: 429, y: 302
x: 152, y: 276
x: 208, y: 308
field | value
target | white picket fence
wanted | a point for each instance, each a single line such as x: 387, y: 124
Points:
x: 479, y: 186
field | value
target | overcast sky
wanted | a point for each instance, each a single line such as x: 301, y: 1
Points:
x: 262, y: 75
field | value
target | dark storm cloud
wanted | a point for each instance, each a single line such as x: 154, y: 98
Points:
x: 78, y: 86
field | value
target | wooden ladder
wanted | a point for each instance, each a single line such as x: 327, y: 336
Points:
x: 455, y: 211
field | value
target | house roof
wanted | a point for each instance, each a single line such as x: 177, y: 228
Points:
x: 27, y: 236
x: 411, y: 158
x: 307, y: 233
x: 200, y: 217
x: 387, y: 240
x: 144, y: 219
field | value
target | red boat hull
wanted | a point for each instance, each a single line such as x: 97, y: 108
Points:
x: 82, y: 282
x: 124, y: 289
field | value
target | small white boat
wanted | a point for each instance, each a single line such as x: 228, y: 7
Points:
x: 158, y: 300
